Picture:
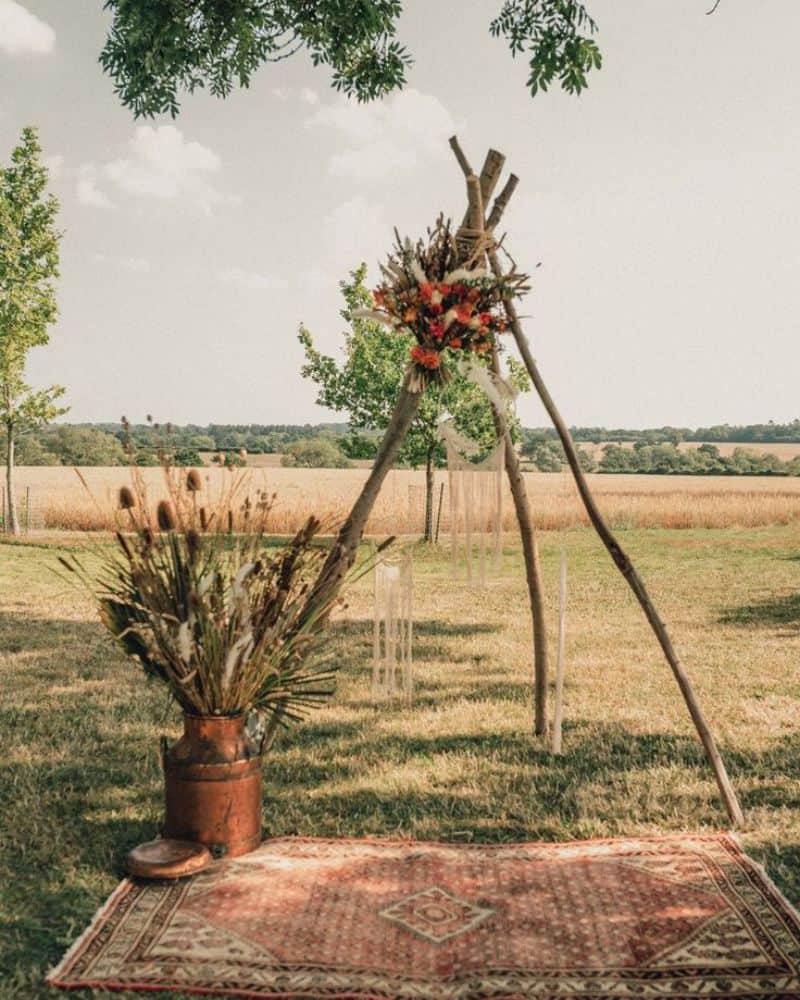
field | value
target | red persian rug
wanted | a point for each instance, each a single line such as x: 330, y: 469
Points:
x: 677, y: 917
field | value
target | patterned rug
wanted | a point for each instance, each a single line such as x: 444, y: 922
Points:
x: 677, y: 917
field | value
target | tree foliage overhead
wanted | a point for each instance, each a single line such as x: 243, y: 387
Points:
x: 156, y: 48
x: 556, y: 35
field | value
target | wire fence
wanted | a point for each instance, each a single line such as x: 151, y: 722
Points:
x: 30, y: 515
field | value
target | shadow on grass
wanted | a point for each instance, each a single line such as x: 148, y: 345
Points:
x: 775, y: 611
x: 80, y: 782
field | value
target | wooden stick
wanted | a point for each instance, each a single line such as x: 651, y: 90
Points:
x: 463, y: 162
x: 490, y: 175
x: 558, y: 712
x: 533, y: 569
x: 343, y: 552
x: 501, y: 201
x: 623, y: 563
x: 474, y: 220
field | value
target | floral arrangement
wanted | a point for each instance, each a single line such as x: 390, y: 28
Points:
x: 221, y: 618
x: 446, y: 305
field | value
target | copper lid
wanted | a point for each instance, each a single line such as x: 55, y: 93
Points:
x: 168, y: 859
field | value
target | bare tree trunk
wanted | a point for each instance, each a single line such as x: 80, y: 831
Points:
x: 343, y: 552
x: 12, y: 528
x: 624, y: 564
x: 430, y: 476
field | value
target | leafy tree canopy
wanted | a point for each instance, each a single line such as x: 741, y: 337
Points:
x: 156, y: 48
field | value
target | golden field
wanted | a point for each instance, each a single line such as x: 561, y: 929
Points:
x: 59, y: 501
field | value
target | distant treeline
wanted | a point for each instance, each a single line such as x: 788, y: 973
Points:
x: 651, y: 451
x: 664, y: 459
x: 770, y: 432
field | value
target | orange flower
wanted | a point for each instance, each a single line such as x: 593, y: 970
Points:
x: 425, y: 292
x: 445, y: 289
x: 455, y: 343
x: 464, y: 313
x: 410, y: 315
x: 428, y: 359
x: 485, y: 318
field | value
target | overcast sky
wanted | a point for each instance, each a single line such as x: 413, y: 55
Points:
x: 662, y: 205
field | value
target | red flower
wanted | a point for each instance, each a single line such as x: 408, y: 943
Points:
x: 464, y: 313
x: 436, y: 329
x: 485, y: 318
x: 428, y: 359
x: 445, y: 289
x: 436, y: 308
x: 425, y: 292
x: 460, y: 290
x: 455, y: 343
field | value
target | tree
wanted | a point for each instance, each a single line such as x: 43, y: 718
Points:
x: 28, y: 269
x: 366, y: 386
x: 155, y: 48
x: 83, y: 446
x: 315, y: 453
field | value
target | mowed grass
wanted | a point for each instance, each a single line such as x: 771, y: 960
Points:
x: 79, y: 774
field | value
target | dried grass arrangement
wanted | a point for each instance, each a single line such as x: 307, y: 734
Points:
x: 449, y: 303
x: 221, y: 618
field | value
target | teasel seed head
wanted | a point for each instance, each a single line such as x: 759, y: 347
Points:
x: 204, y: 521
x: 192, y: 542
x: 193, y: 481
x: 165, y: 516
x: 126, y: 498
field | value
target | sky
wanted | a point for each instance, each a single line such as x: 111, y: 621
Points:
x: 657, y: 212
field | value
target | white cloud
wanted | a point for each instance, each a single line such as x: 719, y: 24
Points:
x: 87, y: 190
x: 22, y: 33
x: 160, y: 164
x: 136, y: 265
x: 240, y: 278
x: 304, y: 94
x: 353, y: 232
x: 54, y: 165
x: 406, y: 130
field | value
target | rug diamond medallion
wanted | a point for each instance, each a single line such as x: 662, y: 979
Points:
x: 435, y: 915
x: 682, y: 917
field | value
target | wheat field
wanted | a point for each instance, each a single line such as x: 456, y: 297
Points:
x: 60, y: 501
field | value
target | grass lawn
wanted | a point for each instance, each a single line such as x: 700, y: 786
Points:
x: 79, y: 729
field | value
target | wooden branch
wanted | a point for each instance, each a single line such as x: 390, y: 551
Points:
x: 501, y: 201
x: 558, y: 713
x: 624, y: 564
x: 533, y: 569
x: 463, y: 162
x: 490, y: 173
x: 343, y: 552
